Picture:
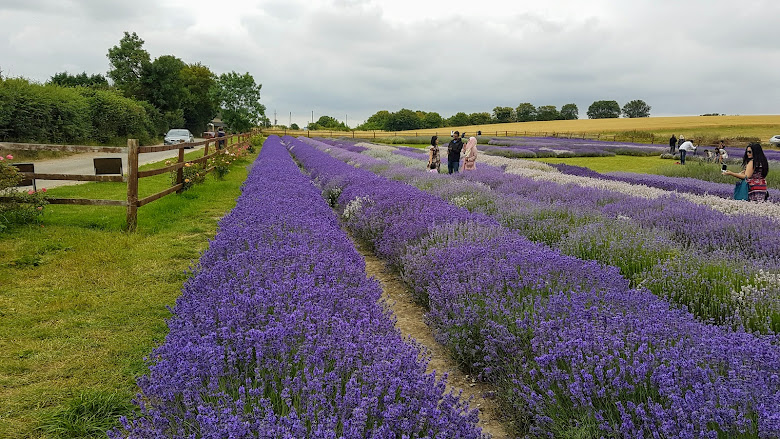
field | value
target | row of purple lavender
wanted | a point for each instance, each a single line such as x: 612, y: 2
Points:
x: 723, y: 268
x: 576, y: 351
x: 279, y: 334
x: 529, y: 147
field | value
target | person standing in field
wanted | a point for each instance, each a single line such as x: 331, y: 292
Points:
x: 434, y: 159
x: 755, y: 168
x: 685, y: 148
x: 221, y: 142
x: 672, y: 144
x: 470, y: 153
x: 453, y: 153
x: 722, y: 154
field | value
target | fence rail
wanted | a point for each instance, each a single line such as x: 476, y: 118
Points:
x: 132, y: 202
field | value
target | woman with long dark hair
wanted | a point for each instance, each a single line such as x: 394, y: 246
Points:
x: 755, y: 168
x: 434, y: 160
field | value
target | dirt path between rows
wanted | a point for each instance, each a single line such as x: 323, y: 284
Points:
x: 410, y: 321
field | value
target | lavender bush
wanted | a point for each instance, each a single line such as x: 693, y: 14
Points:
x: 279, y: 334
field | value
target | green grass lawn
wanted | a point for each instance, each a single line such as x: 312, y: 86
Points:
x: 618, y: 163
x: 82, y: 302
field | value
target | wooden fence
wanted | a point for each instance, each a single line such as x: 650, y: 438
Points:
x: 132, y: 202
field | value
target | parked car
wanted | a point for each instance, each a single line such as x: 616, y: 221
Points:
x: 209, y: 135
x: 179, y: 135
x: 775, y: 140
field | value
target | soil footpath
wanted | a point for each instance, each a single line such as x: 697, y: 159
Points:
x: 410, y: 320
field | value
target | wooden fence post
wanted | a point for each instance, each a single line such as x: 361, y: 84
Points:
x: 180, y: 171
x: 132, y: 184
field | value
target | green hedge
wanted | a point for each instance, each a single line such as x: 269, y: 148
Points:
x: 36, y: 113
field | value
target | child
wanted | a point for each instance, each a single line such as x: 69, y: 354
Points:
x: 432, y: 168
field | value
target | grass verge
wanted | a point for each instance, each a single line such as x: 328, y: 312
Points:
x: 82, y: 302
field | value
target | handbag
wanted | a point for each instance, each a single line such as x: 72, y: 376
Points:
x: 741, y: 190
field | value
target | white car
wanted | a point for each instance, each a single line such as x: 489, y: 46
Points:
x: 179, y: 135
x: 775, y: 140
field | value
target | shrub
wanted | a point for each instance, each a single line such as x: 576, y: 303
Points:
x: 20, y: 207
x: 194, y: 173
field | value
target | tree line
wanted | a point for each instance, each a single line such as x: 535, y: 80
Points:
x: 405, y: 119
x: 140, y: 97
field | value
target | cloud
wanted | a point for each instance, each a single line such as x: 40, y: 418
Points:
x: 356, y: 57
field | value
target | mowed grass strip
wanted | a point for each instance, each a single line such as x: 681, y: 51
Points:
x: 82, y: 302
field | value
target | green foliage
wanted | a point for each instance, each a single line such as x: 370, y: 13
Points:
x: 128, y: 61
x: 81, y: 80
x: 432, y: 120
x: 526, y: 112
x: 503, y: 114
x: 570, y: 112
x: 23, y: 207
x: 294, y: 126
x: 547, y: 112
x: 162, y: 83
x: 200, y: 104
x: 115, y: 118
x: 483, y: 118
x: 89, y: 415
x: 403, y: 120
x: 636, y: 108
x: 239, y: 98
x: 193, y: 173
x: 604, y: 110
x: 458, y: 119
x: 32, y: 112
x: 222, y: 162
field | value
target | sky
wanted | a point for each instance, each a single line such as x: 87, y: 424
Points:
x: 349, y: 59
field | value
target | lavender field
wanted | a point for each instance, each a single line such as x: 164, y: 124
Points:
x: 579, y: 347
x: 592, y: 312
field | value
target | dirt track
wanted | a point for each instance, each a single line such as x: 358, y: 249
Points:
x: 410, y: 321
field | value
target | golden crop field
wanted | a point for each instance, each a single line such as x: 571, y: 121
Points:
x: 736, y: 130
x: 762, y: 127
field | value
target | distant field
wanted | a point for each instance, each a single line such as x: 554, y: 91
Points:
x: 762, y: 127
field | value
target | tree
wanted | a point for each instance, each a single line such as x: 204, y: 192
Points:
x: 403, y: 120
x: 163, y: 84
x: 432, y: 120
x: 376, y: 122
x: 458, y: 119
x: 294, y: 126
x: 200, y: 104
x: 547, y: 112
x: 483, y: 118
x: 570, y: 112
x: 127, y: 63
x: 503, y: 114
x: 65, y: 79
x: 239, y: 98
x: 636, y: 108
x: 526, y: 112
x: 604, y: 110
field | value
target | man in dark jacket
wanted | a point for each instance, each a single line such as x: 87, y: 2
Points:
x: 453, y: 153
x: 672, y: 144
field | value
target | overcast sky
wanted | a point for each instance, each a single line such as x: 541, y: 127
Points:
x: 352, y: 58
